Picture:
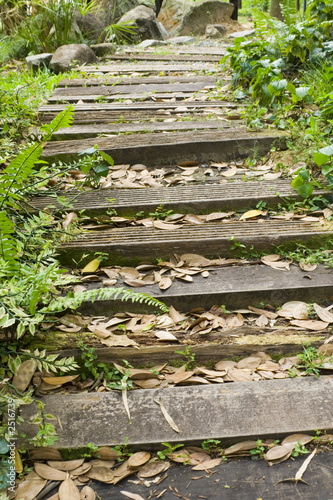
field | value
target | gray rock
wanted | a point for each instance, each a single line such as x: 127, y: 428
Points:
x: 66, y: 56
x: 110, y: 11
x: 199, y: 14
x: 102, y: 49
x: 215, y: 30
x: 151, y: 43
x: 163, y: 30
x: 39, y: 61
x: 144, y: 23
x: 245, y: 34
x: 181, y: 40
x: 91, y: 27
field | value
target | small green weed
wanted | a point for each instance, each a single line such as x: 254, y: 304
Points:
x: 161, y: 213
x: 189, y: 356
x: 168, y: 449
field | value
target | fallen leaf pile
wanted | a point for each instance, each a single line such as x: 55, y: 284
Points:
x: 109, y: 466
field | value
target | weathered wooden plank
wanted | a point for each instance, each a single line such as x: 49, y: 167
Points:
x: 114, y: 97
x: 145, y: 56
x: 180, y: 49
x: 168, y: 149
x: 147, y: 68
x: 138, y: 80
x: 106, y: 90
x: 183, y: 199
x: 243, y: 410
x: 85, y: 131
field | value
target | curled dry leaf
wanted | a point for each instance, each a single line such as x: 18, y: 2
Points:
x: 68, y: 490
x: 240, y: 448
x: 294, y: 307
x: 279, y: 453
x: 210, y: 373
x: 165, y: 283
x: 148, y: 384
x: 138, y: 459
x: 80, y: 471
x: 66, y: 465
x: 45, y: 454
x: 133, y: 496
x: 225, y: 365
x: 87, y: 493
x: 30, y: 486
x: 307, y: 267
x: 166, y: 336
x: 118, y: 340
x: 69, y: 219
x: 262, y: 321
x: 153, y: 468
x: 165, y: 226
x: 311, y: 324
x: 208, y: 464
x: 24, y: 374
x: 250, y: 363
x: 297, y: 438
x: 230, y: 172
x: 98, y: 462
x: 239, y: 375
x: 166, y: 415
x: 180, y: 456
x: 323, y: 314
x: 103, y: 474
x: 106, y: 453
x: 47, y: 472
x: 195, y: 260
x: 260, y: 312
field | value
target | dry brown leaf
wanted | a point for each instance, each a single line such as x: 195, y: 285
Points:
x: 30, y: 487
x: 199, y: 456
x: 69, y: 219
x: 129, y: 273
x: 239, y: 375
x: 195, y: 260
x: 68, y: 490
x: 198, y: 380
x: 311, y: 324
x: 323, y: 314
x: 234, y: 320
x: 175, y: 315
x: 140, y: 373
x: 87, y: 493
x: 45, y: 454
x: 165, y: 283
x: 118, y: 340
x: 166, y: 415
x: 225, y: 365
x: 307, y: 267
x: 47, y: 472
x: 103, y: 474
x: 150, y: 383
x: 210, y: 373
x: 66, y: 465
x: 279, y: 452
x: 249, y: 363
x: 106, y: 453
x: 193, y: 219
x: 262, y: 321
x: 303, y: 439
x: 59, y: 380
x: 138, y: 459
x: 99, y: 462
x: 24, y: 374
x: 166, y: 336
x: 188, y: 163
x: 300, y: 311
x: 158, y: 224
x: 251, y: 214
x: 153, y: 468
x: 268, y: 314
x: 266, y: 374
x: 80, y: 471
x: 179, y: 376
x: 208, y: 464
x: 287, y: 309
x: 133, y: 496
x: 180, y: 456
x: 69, y: 329
x: 230, y: 172
x: 270, y: 176
x: 217, y: 216
x: 205, y: 274
x: 240, y: 447
x: 326, y: 349
x: 269, y: 259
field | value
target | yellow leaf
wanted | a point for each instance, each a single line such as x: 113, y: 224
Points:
x: 250, y: 214
x: 18, y: 462
x: 92, y: 266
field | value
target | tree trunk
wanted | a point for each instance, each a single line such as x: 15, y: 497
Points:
x: 275, y: 10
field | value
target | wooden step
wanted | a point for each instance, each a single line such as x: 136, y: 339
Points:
x: 233, y: 286
x: 138, y: 80
x: 204, y: 198
x: 86, y: 131
x: 145, y: 56
x: 150, y: 68
x: 213, y: 239
x: 170, y: 148
x: 229, y: 412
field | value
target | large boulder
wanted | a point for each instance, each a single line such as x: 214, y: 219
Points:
x: 66, y: 56
x: 91, y: 27
x: 39, y: 61
x: 144, y: 23
x: 199, y: 14
x: 110, y: 11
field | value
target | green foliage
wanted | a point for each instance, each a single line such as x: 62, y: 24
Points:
x: 168, y: 449
x: 5, y: 465
x: 161, y: 213
x: 311, y: 361
x: 189, y: 356
x: 211, y: 445
x: 119, y: 33
x: 259, y: 450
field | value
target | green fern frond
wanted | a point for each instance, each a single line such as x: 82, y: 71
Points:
x: 62, y: 120
x: 8, y: 245
x: 62, y: 303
